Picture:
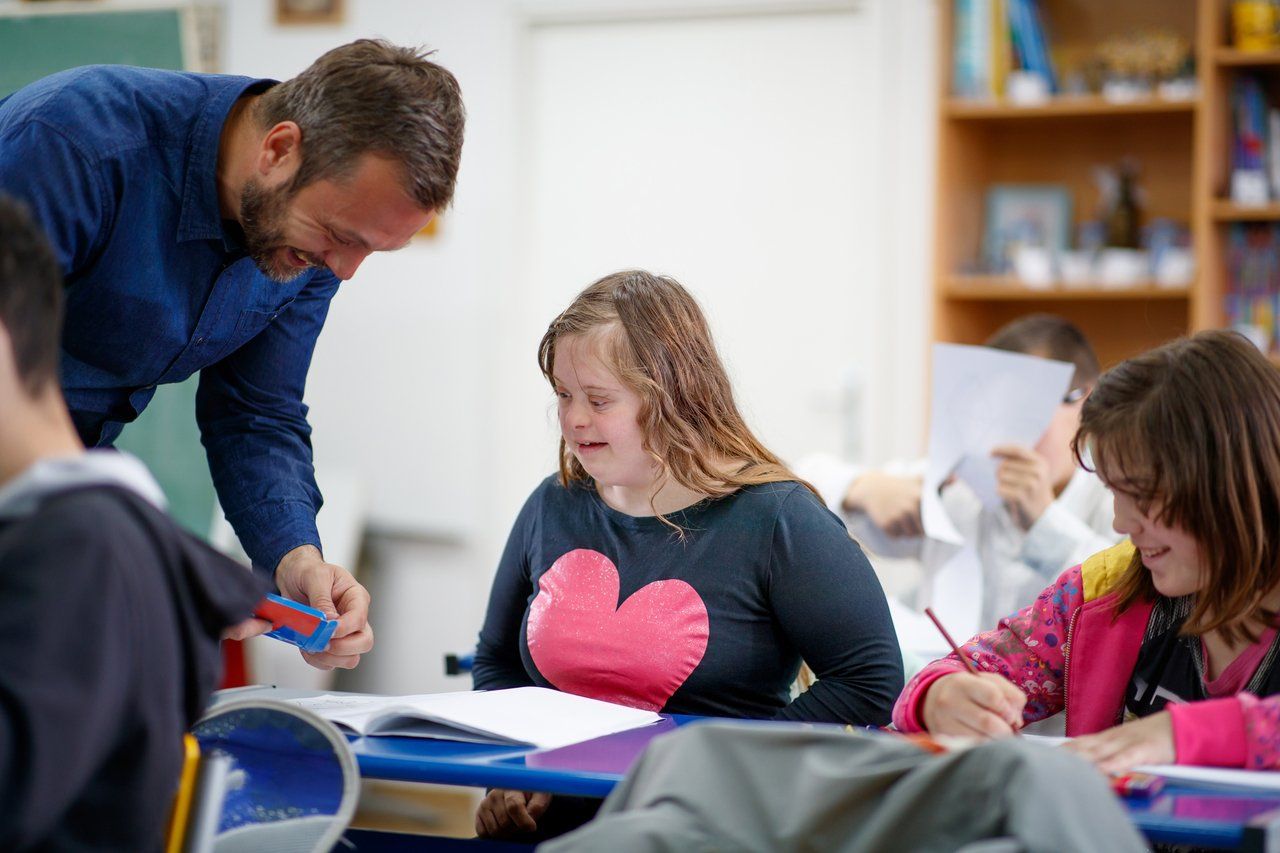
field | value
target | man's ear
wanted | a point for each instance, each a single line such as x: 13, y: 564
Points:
x: 280, y: 153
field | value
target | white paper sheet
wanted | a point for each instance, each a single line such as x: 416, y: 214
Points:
x: 982, y: 398
x: 1210, y: 777
x: 1216, y: 777
x: 529, y: 715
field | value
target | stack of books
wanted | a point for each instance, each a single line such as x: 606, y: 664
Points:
x: 1253, y: 282
x: 1255, y: 144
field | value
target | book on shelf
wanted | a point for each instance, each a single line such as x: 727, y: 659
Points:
x: 1253, y: 281
x: 993, y: 38
x: 518, y: 716
x: 1249, y: 149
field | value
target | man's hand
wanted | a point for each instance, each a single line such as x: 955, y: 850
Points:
x: 504, y: 813
x: 304, y: 576
x: 1022, y: 481
x: 1145, y: 741
x: 892, y: 503
x: 983, y: 705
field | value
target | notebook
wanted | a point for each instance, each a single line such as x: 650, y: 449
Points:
x: 519, y: 716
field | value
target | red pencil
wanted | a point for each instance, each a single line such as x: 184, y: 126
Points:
x: 968, y: 664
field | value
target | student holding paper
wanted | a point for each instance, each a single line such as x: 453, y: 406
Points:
x: 112, y: 613
x: 1054, y: 514
x: 1172, y: 635
x: 674, y: 563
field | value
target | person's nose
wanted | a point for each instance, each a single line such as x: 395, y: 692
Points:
x: 345, y: 262
x: 578, y: 415
x: 1126, y: 521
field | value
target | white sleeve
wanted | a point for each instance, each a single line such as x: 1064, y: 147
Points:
x: 1072, y: 529
x: 832, y: 477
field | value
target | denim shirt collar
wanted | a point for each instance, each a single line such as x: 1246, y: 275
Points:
x: 200, y: 218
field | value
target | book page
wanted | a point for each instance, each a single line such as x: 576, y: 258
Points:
x: 351, y: 710
x: 535, y: 716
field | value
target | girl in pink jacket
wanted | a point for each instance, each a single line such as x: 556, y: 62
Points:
x: 1164, y: 648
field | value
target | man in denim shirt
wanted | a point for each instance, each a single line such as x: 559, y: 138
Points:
x: 202, y: 223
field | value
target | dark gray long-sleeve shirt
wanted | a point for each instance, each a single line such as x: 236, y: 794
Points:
x: 593, y: 601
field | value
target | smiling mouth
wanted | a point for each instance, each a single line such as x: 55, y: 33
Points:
x: 1152, y: 553
x: 591, y: 445
x: 297, y: 258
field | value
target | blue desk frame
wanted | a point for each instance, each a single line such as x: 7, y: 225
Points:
x: 589, y: 769
x: 1221, y: 818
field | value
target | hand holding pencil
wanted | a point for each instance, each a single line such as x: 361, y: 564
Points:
x: 973, y: 703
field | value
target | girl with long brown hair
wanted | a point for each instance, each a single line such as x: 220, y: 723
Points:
x: 1163, y: 648
x: 674, y: 563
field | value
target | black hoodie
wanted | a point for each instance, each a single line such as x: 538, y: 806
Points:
x: 110, y: 617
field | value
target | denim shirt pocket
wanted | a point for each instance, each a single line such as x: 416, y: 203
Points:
x: 250, y: 324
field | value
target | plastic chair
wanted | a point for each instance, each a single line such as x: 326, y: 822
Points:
x: 457, y: 664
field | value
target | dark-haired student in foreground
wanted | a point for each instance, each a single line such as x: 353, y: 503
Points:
x: 112, y: 614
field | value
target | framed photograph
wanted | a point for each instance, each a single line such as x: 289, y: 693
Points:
x: 309, y: 11
x: 1036, y: 215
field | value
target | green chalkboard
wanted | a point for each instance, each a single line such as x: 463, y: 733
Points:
x: 35, y: 42
x: 34, y: 45
x: 166, y: 438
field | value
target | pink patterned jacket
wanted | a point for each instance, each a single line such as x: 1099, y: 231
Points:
x: 1069, y: 650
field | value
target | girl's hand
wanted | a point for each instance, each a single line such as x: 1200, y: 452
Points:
x: 984, y: 705
x: 1022, y: 481
x: 504, y: 813
x: 1145, y: 741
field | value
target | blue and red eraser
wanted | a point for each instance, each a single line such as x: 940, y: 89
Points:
x: 294, y: 623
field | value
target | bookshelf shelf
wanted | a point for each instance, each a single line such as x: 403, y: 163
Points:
x: 1065, y: 106
x: 1005, y: 288
x: 1226, y: 211
x: 1182, y: 148
x: 1246, y: 59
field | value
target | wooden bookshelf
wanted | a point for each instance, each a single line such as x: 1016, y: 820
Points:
x: 1222, y: 210
x: 1245, y: 58
x: 1091, y: 105
x: 1008, y: 288
x: 1182, y: 147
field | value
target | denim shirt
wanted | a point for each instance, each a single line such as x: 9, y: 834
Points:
x: 119, y: 166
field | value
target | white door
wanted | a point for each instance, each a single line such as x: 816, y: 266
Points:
x: 735, y: 154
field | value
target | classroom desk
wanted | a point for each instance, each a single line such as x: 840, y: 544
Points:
x: 1234, y: 820
x: 1181, y: 814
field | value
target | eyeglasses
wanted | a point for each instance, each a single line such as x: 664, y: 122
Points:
x: 1075, y: 395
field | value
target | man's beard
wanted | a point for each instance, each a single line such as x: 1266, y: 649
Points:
x: 261, y: 213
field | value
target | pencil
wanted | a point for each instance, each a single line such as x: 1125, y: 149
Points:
x: 968, y: 664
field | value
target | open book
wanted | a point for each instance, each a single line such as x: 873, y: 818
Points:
x: 521, y: 716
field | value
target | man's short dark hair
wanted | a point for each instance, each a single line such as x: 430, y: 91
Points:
x: 372, y: 97
x: 1052, y: 337
x: 30, y: 295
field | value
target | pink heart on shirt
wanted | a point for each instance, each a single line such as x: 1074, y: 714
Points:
x: 637, y: 653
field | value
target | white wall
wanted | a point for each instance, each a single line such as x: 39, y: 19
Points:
x: 424, y: 376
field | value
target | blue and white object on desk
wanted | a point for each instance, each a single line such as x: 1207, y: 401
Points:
x: 292, y: 784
